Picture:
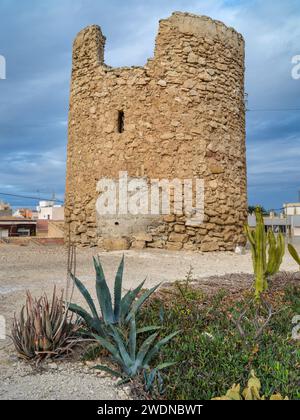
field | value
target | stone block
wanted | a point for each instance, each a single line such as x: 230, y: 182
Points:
x: 116, y: 244
x: 143, y: 236
x: 174, y: 246
x: 209, y: 247
x: 179, y: 228
x: 177, y: 237
x: 138, y: 245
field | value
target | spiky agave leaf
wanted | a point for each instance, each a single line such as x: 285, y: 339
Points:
x: 149, y: 379
x: 124, y: 308
x: 128, y: 300
x: 132, y: 338
x: 103, y: 293
x: 85, y: 293
x: 147, y: 329
x: 108, y: 370
x: 165, y: 365
x: 138, y: 303
x: 143, y: 351
x: 155, y: 376
x: 154, y: 351
x: 127, y: 360
x: 118, y: 291
x: 94, y: 324
x: 125, y: 353
x: 112, y: 349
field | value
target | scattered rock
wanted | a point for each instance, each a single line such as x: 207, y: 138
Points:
x: 116, y: 244
x: 53, y: 366
x: 162, y: 83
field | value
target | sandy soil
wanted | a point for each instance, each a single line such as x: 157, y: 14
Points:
x: 38, y: 268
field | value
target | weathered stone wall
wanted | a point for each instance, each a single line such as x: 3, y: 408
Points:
x: 184, y: 118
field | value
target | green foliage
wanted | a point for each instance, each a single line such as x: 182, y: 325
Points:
x: 122, y: 311
x: 114, y: 328
x: 267, y: 253
x: 43, y: 330
x: 154, y: 381
x: 252, y: 209
x: 250, y: 393
x: 125, y: 352
x: 294, y: 253
x: 210, y: 352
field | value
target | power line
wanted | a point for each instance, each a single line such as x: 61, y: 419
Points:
x: 30, y: 198
x: 273, y: 110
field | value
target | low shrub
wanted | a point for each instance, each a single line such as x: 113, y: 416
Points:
x: 223, y: 338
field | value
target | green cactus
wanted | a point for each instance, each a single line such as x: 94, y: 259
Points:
x: 294, y: 253
x: 267, y: 252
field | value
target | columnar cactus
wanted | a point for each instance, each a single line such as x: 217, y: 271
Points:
x: 294, y: 253
x: 267, y: 252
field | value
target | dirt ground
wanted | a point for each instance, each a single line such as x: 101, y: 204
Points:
x: 38, y: 268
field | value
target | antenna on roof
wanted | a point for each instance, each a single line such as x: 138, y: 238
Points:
x: 53, y: 194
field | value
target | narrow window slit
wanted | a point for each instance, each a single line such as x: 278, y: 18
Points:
x: 121, y: 118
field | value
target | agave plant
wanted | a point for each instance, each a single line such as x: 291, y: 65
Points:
x: 127, y: 356
x: 154, y: 381
x: 119, y: 313
x: 294, y: 253
x: 43, y: 330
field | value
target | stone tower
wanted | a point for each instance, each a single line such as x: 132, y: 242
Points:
x: 181, y: 116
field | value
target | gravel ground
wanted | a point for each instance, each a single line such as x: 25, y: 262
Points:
x: 38, y: 268
x: 58, y: 381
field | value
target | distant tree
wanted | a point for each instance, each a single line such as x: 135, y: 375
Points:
x: 251, y: 209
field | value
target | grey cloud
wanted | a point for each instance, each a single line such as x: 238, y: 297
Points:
x: 36, y: 39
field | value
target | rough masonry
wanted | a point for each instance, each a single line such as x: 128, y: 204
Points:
x: 182, y: 116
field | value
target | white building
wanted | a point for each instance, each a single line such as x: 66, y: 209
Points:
x: 288, y: 222
x: 292, y: 209
x: 47, y: 210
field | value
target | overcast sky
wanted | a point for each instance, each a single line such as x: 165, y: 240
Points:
x: 36, y: 39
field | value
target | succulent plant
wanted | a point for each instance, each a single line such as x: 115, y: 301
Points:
x: 127, y: 356
x: 294, y: 253
x: 267, y: 253
x: 43, y: 329
x: 119, y: 313
x: 154, y: 380
x: 250, y: 393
